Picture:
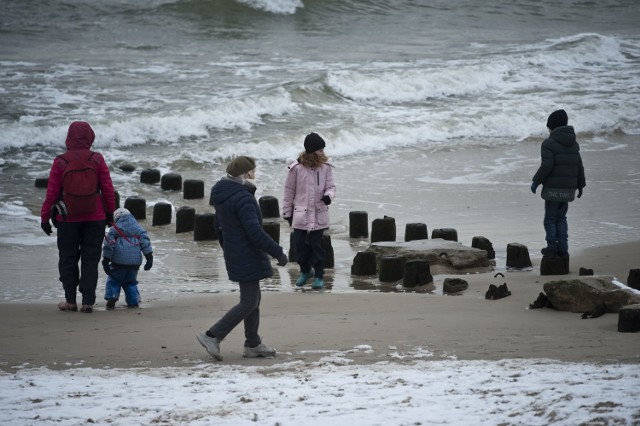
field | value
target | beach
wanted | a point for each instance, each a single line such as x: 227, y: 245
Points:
x: 423, y: 123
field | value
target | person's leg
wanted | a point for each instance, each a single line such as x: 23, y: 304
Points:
x: 562, y: 228
x: 130, y: 287
x: 92, y: 234
x: 112, y: 286
x: 249, y: 301
x: 317, y: 252
x: 68, y: 256
x: 303, y: 250
x: 551, y: 209
x: 252, y: 320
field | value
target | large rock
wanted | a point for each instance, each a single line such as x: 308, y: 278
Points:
x: 589, y: 293
x: 443, y: 256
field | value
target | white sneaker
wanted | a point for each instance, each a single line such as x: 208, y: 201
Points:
x: 211, y: 344
x: 261, y: 350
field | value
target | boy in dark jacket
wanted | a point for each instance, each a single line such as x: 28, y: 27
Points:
x: 245, y: 247
x: 561, y: 172
x: 122, y: 253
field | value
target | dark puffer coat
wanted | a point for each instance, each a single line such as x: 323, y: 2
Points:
x: 239, y: 220
x: 561, y: 165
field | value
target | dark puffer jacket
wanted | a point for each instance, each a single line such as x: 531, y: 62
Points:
x: 561, y: 165
x: 239, y: 220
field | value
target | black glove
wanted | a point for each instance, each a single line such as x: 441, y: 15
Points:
x: 290, y: 220
x: 534, y: 186
x: 109, y: 219
x: 326, y: 200
x: 105, y: 265
x: 149, y: 263
x: 579, y: 192
x: 282, y: 259
x: 46, y: 227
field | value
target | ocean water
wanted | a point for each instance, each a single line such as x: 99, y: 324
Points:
x: 428, y: 109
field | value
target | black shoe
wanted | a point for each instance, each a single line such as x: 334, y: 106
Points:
x: 111, y: 303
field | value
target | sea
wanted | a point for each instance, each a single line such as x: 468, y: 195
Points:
x: 432, y: 111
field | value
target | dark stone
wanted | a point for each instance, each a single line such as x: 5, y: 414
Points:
x: 585, y: 271
x: 171, y: 182
x: 541, y: 302
x: 150, y: 176
x: 629, y: 319
x: 518, y: 256
x: 269, y: 206
x: 415, y: 231
x: 127, y: 167
x: 161, y: 214
x: 383, y: 229
x: 599, y: 311
x: 205, y: 227
x: 443, y: 256
x: 586, y: 294
x: 554, y: 265
x: 358, y: 224
x: 454, y: 285
x: 137, y: 206
x: 117, y: 198
x: 416, y: 272
x: 633, y: 280
x: 497, y: 292
x: 448, y: 234
x: 364, y: 263
x: 391, y: 268
x: 193, y: 189
x: 273, y: 229
x: 483, y: 243
x: 42, y: 182
x: 329, y: 258
x: 185, y: 219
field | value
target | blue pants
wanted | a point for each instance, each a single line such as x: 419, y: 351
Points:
x: 556, y: 227
x: 309, y: 250
x: 248, y: 310
x: 125, y: 279
x: 80, y: 242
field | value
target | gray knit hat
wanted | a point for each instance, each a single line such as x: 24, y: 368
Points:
x: 241, y: 165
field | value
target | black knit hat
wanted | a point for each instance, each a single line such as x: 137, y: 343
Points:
x: 313, y: 142
x: 241, y: 165
x: 557, y: 118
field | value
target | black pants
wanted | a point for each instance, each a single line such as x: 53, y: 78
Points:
x: 309, y: 250
x: 80, y: 242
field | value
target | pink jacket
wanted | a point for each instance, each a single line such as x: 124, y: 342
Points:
x: 80, y: 137
x: 303, y: 192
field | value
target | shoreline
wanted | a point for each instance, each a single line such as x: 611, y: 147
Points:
x: 307, y: 326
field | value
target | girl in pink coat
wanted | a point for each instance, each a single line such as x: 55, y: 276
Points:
x: 308, y: 191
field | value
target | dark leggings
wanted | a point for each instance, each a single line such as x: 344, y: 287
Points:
x: 248, y: 310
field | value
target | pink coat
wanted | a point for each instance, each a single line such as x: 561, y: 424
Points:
x: 303, y: 192
x: 80, y: 138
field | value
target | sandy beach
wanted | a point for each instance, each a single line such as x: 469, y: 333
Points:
x: 303, y: 326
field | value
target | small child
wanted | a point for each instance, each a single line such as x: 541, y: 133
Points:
x: 308, y: 190
x: 122, y: 252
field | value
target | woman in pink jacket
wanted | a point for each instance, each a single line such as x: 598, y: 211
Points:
x: 308, y: 191
x: 79, y: 217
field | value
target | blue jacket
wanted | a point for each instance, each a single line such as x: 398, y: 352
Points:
x: 239, y: 222
x: 126, y: 252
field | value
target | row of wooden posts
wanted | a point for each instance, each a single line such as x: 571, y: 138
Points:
x: 389, y: 268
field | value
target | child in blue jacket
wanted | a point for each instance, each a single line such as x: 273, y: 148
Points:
x: 122, y: 252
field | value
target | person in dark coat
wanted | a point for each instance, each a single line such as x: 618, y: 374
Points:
x: 246, y: 247
x: 561, y: 173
